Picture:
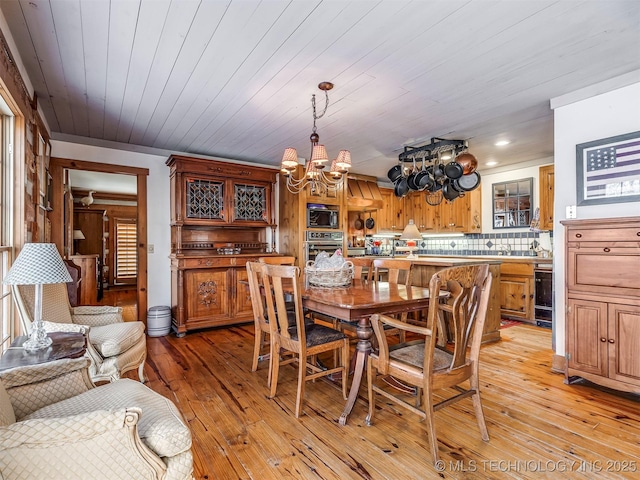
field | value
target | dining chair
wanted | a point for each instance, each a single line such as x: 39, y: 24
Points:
x: 286, y: 260
x: 429, y: 367
x: 305, y: 341
x: 362, y: 267
x: 260, y: 321
x: 399, y: 272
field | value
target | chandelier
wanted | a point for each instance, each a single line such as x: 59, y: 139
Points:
x: 315, y: 175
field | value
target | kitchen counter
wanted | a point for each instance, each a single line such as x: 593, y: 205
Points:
x: 500, y: 258
x: 425, y: 266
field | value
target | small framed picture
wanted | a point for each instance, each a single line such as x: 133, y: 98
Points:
x: 608, y: 170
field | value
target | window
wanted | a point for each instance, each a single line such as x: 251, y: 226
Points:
x: 6, y: 219
x: 126, y: 251
x: 512, y: 202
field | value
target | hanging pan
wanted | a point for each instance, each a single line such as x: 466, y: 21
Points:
x: 468, y: 182
x: 370, y: 223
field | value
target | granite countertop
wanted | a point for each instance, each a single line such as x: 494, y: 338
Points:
x: 500, y: 258
x: 455, y: 260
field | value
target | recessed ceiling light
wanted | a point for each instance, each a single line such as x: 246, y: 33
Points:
x: 502, y: 143
x: 491, y: 163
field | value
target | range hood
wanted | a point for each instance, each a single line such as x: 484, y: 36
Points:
x: 363, y: 193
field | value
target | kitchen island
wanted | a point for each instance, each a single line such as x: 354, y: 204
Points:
x: 425, y: 266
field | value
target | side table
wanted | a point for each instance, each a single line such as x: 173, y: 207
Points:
x: 64, y: 345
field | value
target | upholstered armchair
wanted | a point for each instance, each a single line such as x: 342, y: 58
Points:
x: 114, y: 346
x: 54, y: 423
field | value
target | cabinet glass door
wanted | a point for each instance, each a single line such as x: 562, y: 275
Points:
x: 512, y: 203
x: 205, y: 199
x: 250, y: 203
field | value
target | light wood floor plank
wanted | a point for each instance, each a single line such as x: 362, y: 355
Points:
x: 539, y: 427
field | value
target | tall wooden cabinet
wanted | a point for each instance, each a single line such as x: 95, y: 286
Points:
x: 603, y: 301
x: 221, y: 214
x: 546, y: 197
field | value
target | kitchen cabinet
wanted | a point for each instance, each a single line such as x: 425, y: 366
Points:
x: 603, y: 301
x: 459, y: 216
x: 210, y: 292
x: 516, y: 291
x: 423, y: 215
x: 209, y: 193
x: 220, y: 216
x: 393, y: 216
x: 546, y: 197
x: 462, y: 215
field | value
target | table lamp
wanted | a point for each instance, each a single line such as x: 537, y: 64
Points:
x: 77, y: 235
x: 412, y: 235
x: 38, y: 264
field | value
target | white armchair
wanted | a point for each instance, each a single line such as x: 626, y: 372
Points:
x: 114, y: 346
x: 54, y: 423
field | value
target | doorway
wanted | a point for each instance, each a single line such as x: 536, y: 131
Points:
x: 133, y: 221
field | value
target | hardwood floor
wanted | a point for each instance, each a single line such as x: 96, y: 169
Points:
x: 125, y: 297
x: 539, y: 427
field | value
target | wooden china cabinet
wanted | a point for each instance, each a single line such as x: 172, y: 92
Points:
x: 603, y: 301
x: 221, y: 217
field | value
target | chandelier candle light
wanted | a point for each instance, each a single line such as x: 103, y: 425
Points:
x: 314, y: 170
x: 38, y: 264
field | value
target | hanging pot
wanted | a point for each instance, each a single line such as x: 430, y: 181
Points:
x: 401, y: 189
x: 468, y: 182
x: 411, y: 179
x: 468, y: 162
x: 394, y: 173
x: 422, y: 176
x: 448, y: 192
x: 453, y: 170
x: 358, y: 224
x: 438, y: 169
x: 370, y: 223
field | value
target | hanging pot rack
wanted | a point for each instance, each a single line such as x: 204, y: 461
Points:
x: 430, y: 151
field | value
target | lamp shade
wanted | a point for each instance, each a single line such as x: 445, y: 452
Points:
x: 37, y: 264
x: 319, y: 155
x: 343, y: 162
x: 78, y: 235
x: 290, y: 158
x: 411, y: 232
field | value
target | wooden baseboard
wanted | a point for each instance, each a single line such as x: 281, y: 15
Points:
x: 559, y: 364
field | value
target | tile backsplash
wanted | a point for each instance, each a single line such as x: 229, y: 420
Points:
x: 518, y: 243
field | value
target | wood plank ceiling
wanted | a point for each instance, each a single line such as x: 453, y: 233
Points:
x: 234, y: 78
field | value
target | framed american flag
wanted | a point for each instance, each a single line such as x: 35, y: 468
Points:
x: 608, y: 170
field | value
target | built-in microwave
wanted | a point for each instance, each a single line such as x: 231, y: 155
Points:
x: 323, y: 216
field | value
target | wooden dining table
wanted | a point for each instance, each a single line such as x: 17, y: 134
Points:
x: 355, y: 304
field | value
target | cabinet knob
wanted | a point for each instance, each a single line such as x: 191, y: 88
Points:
x: 603, y: 340
x: 611, y: 340
x: 607, y: 249
x: 578, y: 235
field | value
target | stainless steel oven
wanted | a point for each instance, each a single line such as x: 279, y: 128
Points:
x: 316, y: 242
x: 543, y: 295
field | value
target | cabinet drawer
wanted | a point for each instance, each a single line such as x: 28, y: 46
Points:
x: 627, y: 234
x: 207, y: 262
x: 604, y: 272
x: 522, y: 269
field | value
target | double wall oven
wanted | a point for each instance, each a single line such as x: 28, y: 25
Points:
x: 316, y: 242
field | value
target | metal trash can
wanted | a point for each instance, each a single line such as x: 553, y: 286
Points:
x: 158, y: 321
